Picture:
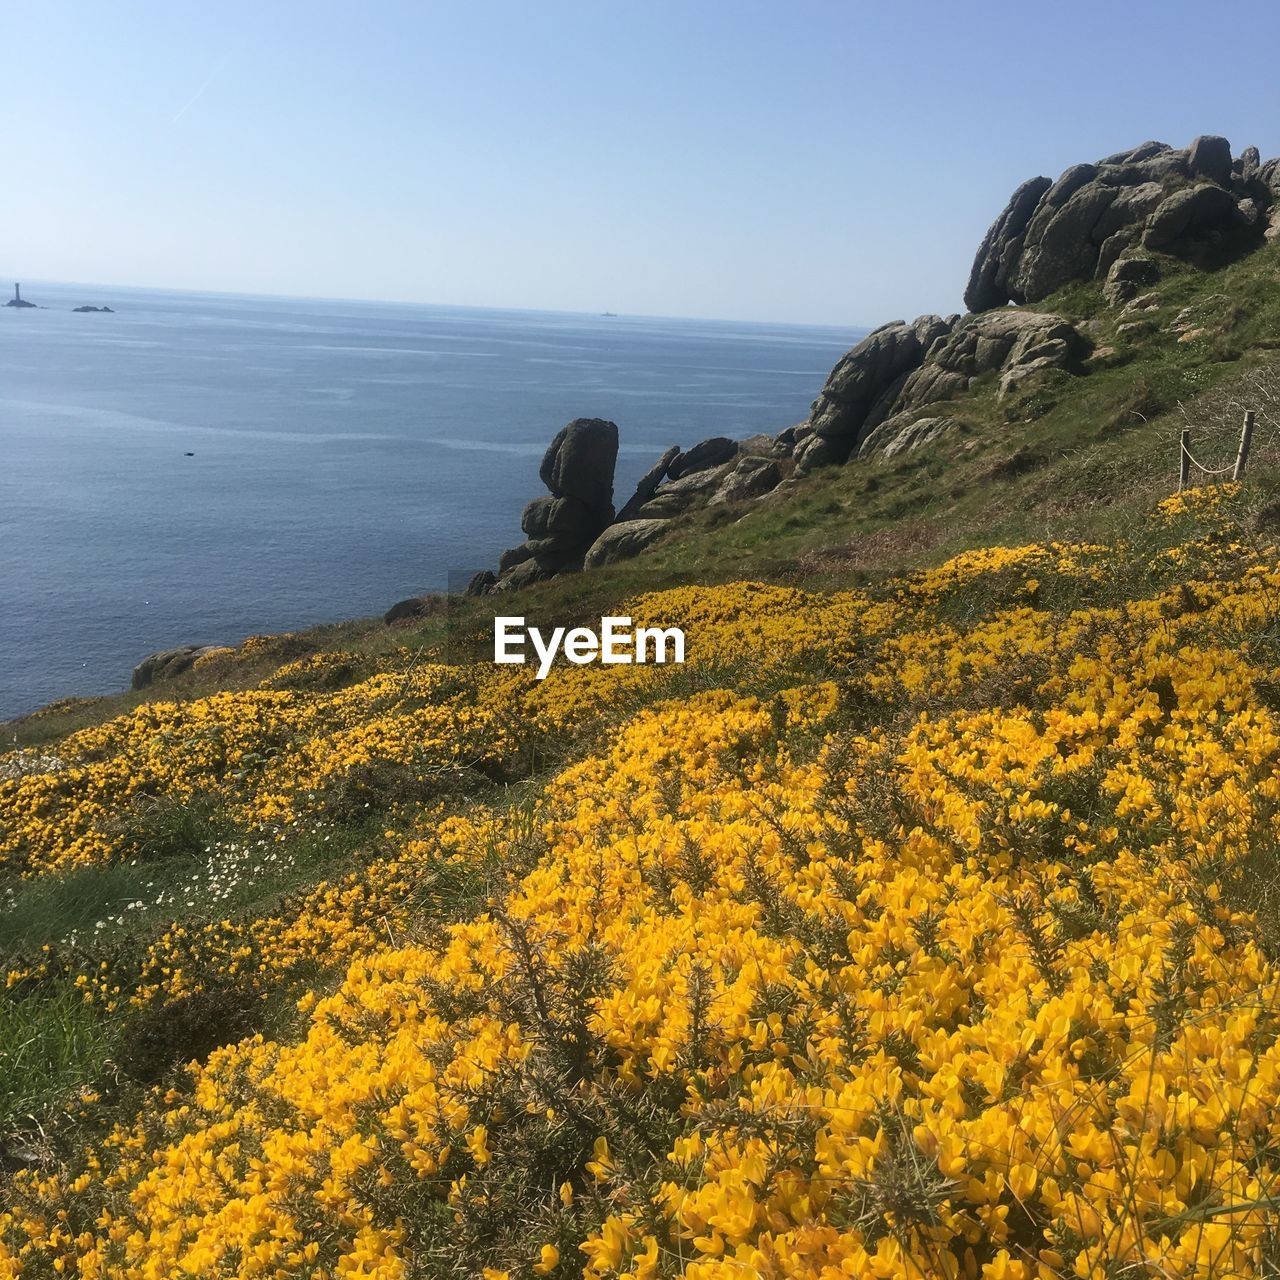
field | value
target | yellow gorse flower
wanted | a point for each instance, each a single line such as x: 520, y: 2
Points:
x: 916, y: 953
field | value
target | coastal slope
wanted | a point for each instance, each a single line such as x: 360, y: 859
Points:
x: 923, y: 922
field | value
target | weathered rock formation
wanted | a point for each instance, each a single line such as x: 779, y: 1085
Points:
x: 167, y: 663
x: 623, y: 540
x: 1097, y: 221
x: 750, y: 477
x: 684, y: 494
x: 906, y: 433
x: 862, y: 386
x: 999, y: 252
x: 893, y: 373
x: 709, y: 453
x: 577, y: 468
x: 715, y: 472
x: 579, y: 463
x: 649, y: 483
x: 1076, y: 228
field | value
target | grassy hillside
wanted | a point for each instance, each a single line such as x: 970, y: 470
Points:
x: 920, y: 928
x: 923, y: 923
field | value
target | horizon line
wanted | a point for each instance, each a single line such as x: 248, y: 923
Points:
x: 459, y: 306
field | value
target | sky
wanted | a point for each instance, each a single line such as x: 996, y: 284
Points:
x: 811, y: 161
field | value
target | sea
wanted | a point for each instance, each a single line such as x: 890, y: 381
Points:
x: 198, y: 468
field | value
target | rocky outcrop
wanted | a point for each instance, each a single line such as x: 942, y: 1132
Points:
x: 404, y: 611
x: 413, y: 609
x: 1109, y: 221
x: 750, y: 477
x: 1210, y: 157
x: 1076, y: 228
x: 707, y: 453
x: 623, y: 540
x: 751, y: 470
x: 1012, y: 343
x: 1000, y: 249
x: 820, y: 451
x: 577, y: 468
x: 1016, y: 345
x: 1061, y: 243
x: 682, y: 495
x: 787, y: 440
x: 167, y: 664
x: 1098, y: 221
x: 864, y: 382
x: 1194, y: 209
x: 573, y: 527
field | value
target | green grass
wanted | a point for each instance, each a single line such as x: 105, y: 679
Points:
x: 238, y: 872
x: 51, y: 1043
x: 45, y: 910
x: 162, y: 829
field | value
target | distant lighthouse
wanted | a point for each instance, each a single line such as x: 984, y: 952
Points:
x: 18, y: 300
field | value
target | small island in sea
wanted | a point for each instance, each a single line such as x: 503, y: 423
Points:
x: 19, y: 301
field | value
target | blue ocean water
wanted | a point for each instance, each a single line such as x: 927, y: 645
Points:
x: 346, y: 454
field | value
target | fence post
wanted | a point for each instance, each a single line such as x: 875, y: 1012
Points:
x: 1246, y: 438
x: 1184, y: 458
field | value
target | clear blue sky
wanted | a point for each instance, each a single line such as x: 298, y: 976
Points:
x: 807, y: 160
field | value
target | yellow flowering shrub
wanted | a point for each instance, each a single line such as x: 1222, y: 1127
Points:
x: 888, y: 938
x: 1205, y: 499
x: 213, y: 657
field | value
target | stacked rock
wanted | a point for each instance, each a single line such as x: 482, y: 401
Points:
x: 560, y: 527
x: 575, y: 527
